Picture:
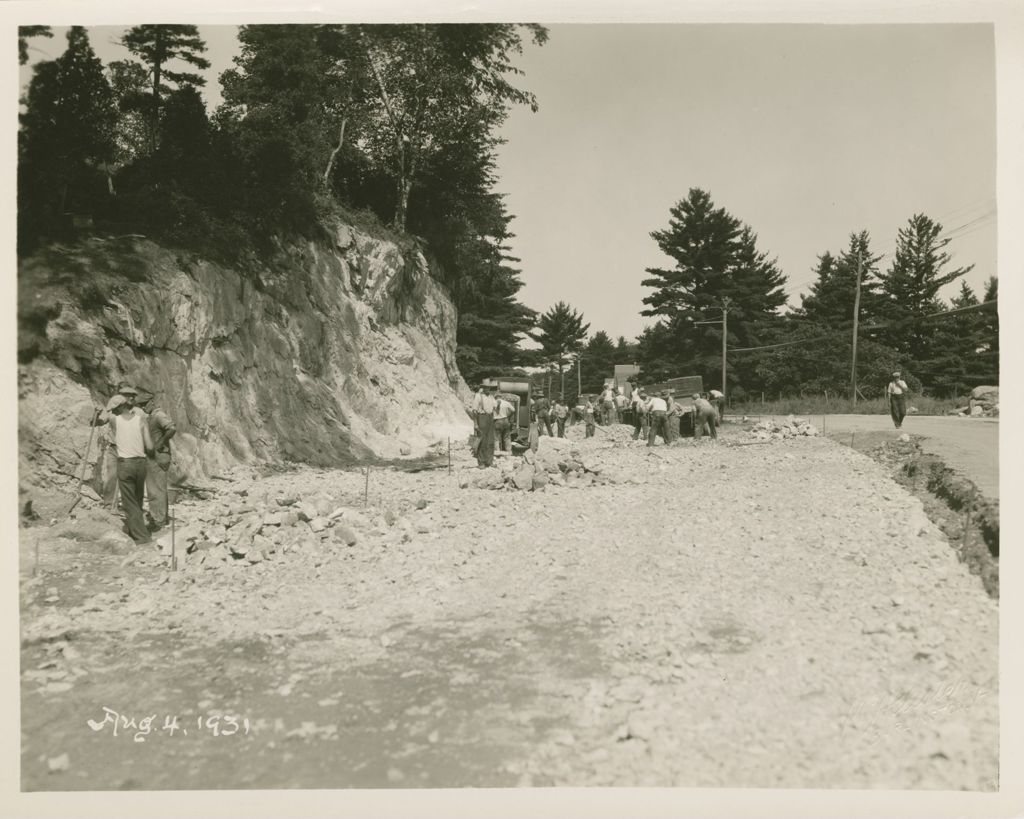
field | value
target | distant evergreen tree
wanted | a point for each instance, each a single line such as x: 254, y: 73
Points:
x: 911, y: 288
x: 560, y: 333
x: 597, y: 361
x: 716, y: 258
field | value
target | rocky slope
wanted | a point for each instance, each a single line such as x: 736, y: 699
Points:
x: 332, y: 351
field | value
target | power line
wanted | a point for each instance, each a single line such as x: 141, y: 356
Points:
x: 877, y: 326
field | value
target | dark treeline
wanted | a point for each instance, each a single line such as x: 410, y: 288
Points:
x: 394, y: 127
x: 716, y: 258
x: 384, y: 124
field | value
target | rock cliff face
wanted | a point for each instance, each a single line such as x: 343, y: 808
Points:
x: 333, y: 351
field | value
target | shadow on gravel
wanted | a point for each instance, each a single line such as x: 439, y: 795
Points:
x: 443, y: 707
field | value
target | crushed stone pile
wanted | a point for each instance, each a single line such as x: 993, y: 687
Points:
x: 614, y: 433
x: 554, y: 464
x: 776, y: 430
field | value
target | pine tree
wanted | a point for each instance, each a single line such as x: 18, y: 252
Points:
x: 158, y: 45
x: 596, y: 362
x: 911, y: 288
x: 830, y: 301
x: 66, y: 138
x: 716, y: 260
x: 560, y: 333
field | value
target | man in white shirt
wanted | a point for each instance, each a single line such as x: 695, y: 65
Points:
x: 128, y: 432
x: 484, y: 405
x: 639, y: 404
x: 897, y: 393
x: 503, y: 412
x: 718, y: 402
x: 657, y: 411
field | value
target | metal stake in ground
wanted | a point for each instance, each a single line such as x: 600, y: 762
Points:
x: 366, y: 488
x: 170, y: 513
x: 85, y: 460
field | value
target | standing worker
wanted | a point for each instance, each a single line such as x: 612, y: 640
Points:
x: 705, y: 417
x: 161, y: 430
x: 657, y: 410
x: 639, y: 414
x: 897, y: 393
x: 129, y: 434
x: 718, y: 401
x: 542, y: 411
x: 607, y: 405
x: 590, y: 416
x: 561, y: 412
x: 484, y: 406
x: 620, y: 406
x: 503, y: 412
x: 672, y: 416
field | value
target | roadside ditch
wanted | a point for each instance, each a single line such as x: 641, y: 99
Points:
x: 969, y: 520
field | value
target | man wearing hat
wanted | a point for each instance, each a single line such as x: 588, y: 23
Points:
x: 639, y: 403
x: 897, y: 395
x: 485, y: 406
x: 542, y: 412
x: 161, y: 430
x: 657, y: 409
x: 129, y: 434
x: 705, y: 418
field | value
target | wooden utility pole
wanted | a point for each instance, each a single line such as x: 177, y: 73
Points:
x: 725, y: 339
x: 579, y: 378
x: 856, y: 317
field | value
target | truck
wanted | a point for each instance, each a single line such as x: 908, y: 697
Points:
x: 681, y: 389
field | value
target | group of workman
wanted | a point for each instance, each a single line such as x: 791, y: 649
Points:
x: 137, y: 436
x: 652, y: 415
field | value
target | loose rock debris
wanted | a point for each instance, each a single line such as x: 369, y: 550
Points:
x: 767, y: 616
x: 792, y: 427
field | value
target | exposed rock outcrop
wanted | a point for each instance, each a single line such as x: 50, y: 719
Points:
x: 332, y: 351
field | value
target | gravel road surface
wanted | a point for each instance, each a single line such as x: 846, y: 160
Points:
x: 764, y: 615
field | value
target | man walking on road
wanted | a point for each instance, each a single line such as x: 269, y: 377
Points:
x: 129, y: 434
x: 705, y: 419
x: 897, y: 393
x: 161, y: 430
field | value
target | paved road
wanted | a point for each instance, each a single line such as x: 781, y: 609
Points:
x: 968, y: 445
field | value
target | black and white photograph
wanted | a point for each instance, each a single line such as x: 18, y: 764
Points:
x: 508, y: 403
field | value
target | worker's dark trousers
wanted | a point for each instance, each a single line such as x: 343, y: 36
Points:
x: 157, y: 468
x: 560, y: 423
x: 503, y: 434
x: 705, y: 422
x: 898, y: 409
x: 544, y: 425
x: 131, y: 478
x: 639, y: 424
x: 590, y: 429
x: 658, y: 427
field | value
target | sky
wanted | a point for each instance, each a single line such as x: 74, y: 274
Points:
x: 805, y: 132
